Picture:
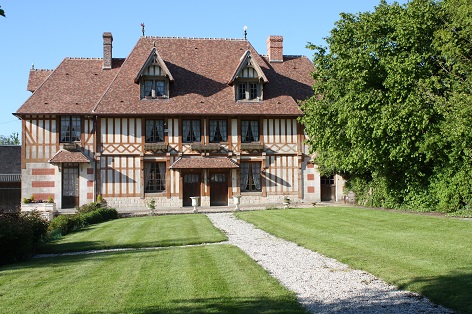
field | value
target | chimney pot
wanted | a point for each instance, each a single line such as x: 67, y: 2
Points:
x: 275, y: 48
x: 107, y: 50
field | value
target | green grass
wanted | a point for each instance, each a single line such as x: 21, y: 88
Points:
x: 140, y: 232
x: 426, y: 254
x: 205, y: 279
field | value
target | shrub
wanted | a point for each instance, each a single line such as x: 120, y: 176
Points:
x: 89, y: 207
x: 65, y: 224
x: 20, y: 235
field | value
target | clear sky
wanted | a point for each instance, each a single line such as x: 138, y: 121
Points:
x: 45, y: 32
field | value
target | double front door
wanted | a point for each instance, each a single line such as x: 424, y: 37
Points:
x: 218, y: 185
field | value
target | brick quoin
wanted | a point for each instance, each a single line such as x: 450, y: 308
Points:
x: 42, y: 172
x: 90, y: 196
x: 311, y: 189
x: 42, y: 184
x: 310, y: 165
x: 89, y: 170
x: 311, y: 177
x: 90, y: 184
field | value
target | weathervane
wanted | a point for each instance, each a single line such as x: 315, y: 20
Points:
x: 245, y: 32
x: 142, y: 28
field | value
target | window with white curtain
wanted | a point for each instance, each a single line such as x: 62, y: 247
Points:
x: 70, y: 129
x: 250, y: 176
x: 218, y: 131
x: 154, y: 131
x: 154, y: 177
x: 249, y: 131
x: 191, y: 131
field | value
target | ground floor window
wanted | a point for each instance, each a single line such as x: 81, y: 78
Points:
x: 155, y: 177
x: 250, y: 173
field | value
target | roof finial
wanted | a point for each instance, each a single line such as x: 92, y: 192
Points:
x: 142, y: 28
x: 32, y: 66
x: 245, y: 32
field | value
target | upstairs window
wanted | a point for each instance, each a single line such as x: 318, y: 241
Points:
x: 70, y: 129
x: 250, y: 176
x: 154, y: 88
x: 248, y: 91
x: 154, y: 131
x: 249, y: 131
x: 191, y: 131
x: 218, y: 131
x: 155, y: 177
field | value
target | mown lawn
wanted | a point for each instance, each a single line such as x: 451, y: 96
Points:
x: 216, y: 278
x: 427, y: 254
x: 139, y: 232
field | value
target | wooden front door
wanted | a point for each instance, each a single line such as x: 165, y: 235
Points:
x: 191, y: 187
x: 328, y: 188
x: 218, y: 189
x: 70, y: 187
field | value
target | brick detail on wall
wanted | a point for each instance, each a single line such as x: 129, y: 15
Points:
x: 42, y: 184
x: 42, y: 196
x: 311, y: 189
x: 89, y: 170
x: 310, y: 165
x: 90, y: 196
x: 90, y: 184
x: 42, y: 172
x: 310, y: 177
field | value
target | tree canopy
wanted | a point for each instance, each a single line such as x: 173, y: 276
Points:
x: 392, y: 107
x: 13, y: 139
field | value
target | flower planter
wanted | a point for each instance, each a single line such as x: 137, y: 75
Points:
x: 47, y: 210
x: 195, y: 203
x: 237, y: 201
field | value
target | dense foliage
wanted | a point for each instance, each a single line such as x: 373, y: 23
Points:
x: 392, y: 108
x: 20, y: 235
x: 65, y: 224
x: 13, y: 139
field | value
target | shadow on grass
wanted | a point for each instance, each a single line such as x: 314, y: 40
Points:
x: 453, y: 290
x: 217, y: 305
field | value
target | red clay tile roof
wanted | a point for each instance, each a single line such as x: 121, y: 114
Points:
x: 204, y: 163
x: 36, y: 78
x: 65, y: 156
x: 201, y: 69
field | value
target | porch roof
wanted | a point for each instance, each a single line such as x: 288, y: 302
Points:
x: 204, y: 163
x: 65, y: 156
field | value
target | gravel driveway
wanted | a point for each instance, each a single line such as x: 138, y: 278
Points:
x: 322, y: 285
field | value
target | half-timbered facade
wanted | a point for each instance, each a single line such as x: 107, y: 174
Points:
x: 179, y: 117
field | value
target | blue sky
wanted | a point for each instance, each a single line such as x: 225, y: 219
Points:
x: 45, y: 32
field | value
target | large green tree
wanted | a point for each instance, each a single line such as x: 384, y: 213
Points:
x: 384, y: 94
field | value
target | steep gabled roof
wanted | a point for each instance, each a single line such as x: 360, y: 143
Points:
x: 200, y: 69
x: 10, y: 155
x: 36, y: 78
x: 74, y: 87
x: 247, y: 59
x: 154, y: 55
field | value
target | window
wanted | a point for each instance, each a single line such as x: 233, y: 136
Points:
x: 218, y: 131
x: 70, y: 129
x: 155, y: 177
x: 249, y: 131
x: 154, y: 88
x: 250, y: 176
x: 191, y: 131
x: 154, y: 131
x: 327, y: 180
x: 248, y: 91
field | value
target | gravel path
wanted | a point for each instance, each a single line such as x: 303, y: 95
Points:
x: 322, y: 285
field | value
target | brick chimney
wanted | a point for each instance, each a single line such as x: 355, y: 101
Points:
x: 107, y: 49
x: 275, y: 48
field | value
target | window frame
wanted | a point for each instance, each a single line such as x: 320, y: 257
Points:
x: 158, y: 183
x: 68, y: 137
x: 195, y: 139
x: 222, y: 133
x: 253, y: 176
x: 255, y: 137
x: 151, y: 140
x: 158, y: 92
x: 248, y: 87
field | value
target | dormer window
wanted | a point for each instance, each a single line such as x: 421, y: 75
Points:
x: 248, y: 79
x: 154, y: 88
x: 248, y: 91
x: 154, y: 78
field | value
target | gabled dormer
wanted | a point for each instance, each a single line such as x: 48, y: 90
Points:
x: 154, y: 78
x: 248, y: 79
